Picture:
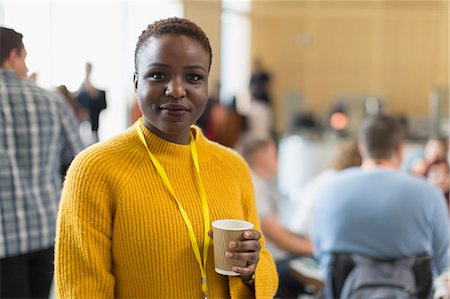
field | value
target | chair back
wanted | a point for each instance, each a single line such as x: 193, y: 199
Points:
x: 344, y: 265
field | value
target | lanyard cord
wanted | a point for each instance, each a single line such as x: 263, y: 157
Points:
x: 205, y: 208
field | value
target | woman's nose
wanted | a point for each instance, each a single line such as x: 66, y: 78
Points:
x: 176, y: 88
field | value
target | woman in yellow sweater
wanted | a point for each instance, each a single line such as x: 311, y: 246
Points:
x: 136, y: 209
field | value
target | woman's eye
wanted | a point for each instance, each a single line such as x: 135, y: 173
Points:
x: 194, y: 78
x: 156, y: 76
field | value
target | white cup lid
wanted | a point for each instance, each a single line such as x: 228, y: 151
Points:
x: 232, y: 224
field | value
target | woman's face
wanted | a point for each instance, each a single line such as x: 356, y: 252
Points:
x: 172, y: 85
x: 439, y: 175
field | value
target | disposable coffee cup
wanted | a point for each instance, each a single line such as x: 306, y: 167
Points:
x: 225, y: 231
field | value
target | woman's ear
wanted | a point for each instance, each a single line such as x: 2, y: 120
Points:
x: 135, y: 81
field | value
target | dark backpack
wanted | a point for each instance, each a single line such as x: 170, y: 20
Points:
x: 356, y: 276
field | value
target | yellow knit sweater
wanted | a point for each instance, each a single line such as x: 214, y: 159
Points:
x: 120, y: 233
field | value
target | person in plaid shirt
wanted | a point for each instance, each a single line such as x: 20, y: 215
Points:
x: 38, y: 134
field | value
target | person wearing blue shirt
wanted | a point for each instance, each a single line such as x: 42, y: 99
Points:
x: 377, y: 210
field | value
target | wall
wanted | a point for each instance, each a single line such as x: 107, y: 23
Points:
x: 323, y: 49
x: 207, y: 15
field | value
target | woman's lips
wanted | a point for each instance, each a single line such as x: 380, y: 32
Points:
x: 174, y: 110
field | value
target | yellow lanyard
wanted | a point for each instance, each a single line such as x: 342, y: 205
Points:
x: 205, y: 208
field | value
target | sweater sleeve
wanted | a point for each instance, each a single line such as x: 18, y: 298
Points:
x: 83, y: 240
x: 266, y: 277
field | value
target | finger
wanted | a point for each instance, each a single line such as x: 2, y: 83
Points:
x: 244, y: 246
x: 252, y: 235
x: 211, y: 234
x: 245, y: 272
x: 249, y: 257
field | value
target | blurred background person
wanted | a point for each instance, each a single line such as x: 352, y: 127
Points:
x: 93, y: 99
x: 81, y: 113
x: 377, y: 211
x: 213, y: 116
x: 229, y: 125
x: 260, y: 83
x: 261, y: 156
x: 305, y: 198
x: 435, y: 149
x: 33, y: 78
x: 438, y: 174
x: 38, y: 134
x: 260, y: 116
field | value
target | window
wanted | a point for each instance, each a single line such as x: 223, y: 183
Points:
x: 61, y: 37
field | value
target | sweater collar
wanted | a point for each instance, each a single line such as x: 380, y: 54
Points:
x: 169, y: 152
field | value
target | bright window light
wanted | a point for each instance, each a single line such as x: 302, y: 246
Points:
x: 61, y: 36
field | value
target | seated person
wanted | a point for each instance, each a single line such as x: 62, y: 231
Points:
x: 436, y: 149
x: 438, y: 174
x: 378, y: 211
x: 261, y: 155
x: 348, y: 156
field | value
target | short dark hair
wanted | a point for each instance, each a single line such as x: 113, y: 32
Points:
x: 9, y: 40
x: 173, y: 25
x: 380, y: 135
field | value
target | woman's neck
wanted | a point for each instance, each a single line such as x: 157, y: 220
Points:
x: 179, y: 138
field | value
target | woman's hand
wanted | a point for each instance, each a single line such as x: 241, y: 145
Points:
x: 245, y: 250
